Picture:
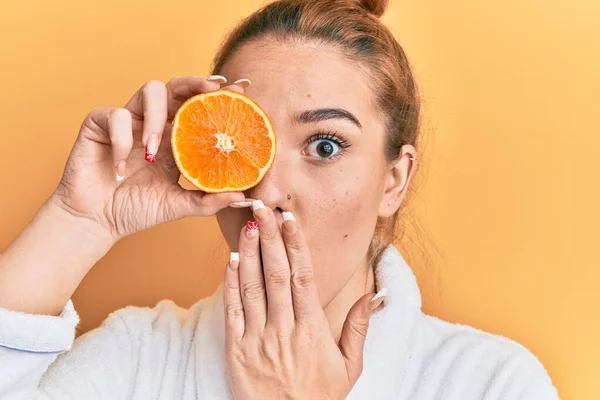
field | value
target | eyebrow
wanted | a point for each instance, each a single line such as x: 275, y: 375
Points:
x: 323, y: 114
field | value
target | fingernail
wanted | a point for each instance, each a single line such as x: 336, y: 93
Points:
x: 382, y: 293
x: 243, y: 82
x: 240, y: 204
x: 378, y: 298
x: 288, y: 216
x: 150, y: 157
x: 234, y: 260
x: 217, y: 78
x: 151, y: 148
x: 289, y: 222
x: 257, y: 205
x: 120, y: 174
x: 252, y: 228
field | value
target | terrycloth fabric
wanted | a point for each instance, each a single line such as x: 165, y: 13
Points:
x: 170, y: 353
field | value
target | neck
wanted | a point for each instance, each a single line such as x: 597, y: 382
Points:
x: 361, y: 282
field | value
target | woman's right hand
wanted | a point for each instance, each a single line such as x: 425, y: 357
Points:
x: 121, y: 173
x: 93, y: 207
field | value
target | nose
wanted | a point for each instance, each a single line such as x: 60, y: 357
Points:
x: 274, y: 189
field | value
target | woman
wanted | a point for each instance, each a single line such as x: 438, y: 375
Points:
x: 297, y: 315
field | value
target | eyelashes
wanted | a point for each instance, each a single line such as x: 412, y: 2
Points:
x: 331, y: 136
x: 326, y: 146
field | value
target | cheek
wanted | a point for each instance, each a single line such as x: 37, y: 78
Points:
x: 339, y: 216
x: 343, y: 204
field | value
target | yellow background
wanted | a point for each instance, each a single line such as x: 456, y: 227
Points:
x: 510, y: 196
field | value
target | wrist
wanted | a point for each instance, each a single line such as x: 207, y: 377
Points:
x: 63, y: 220
x: 49, y: 259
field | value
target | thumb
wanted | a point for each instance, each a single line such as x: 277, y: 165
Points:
x: 195, y: 203
x: 354, y: 332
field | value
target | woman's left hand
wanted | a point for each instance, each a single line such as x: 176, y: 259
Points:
x: 278, y: 342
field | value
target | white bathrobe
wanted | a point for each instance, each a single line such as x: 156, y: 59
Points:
x: 171, y: 353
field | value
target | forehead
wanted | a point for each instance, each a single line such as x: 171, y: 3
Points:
x: 288, y: 76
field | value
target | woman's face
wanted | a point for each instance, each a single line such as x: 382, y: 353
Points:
x: 330, y: 169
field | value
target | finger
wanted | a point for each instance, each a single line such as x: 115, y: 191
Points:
x: 184, y: 203
x: 232, y: 300
x: 239, y: 86
x: 115, y: 128
x: 181, y: 88
x: 354, y: 333
x: 276, y: 267
x: 243, y: 83
x: 252, y: 285
x: 121, y: 138
x: 304, y: 291
x: 149, y: 104
x: 242, y: 204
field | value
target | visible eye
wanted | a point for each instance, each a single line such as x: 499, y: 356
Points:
x: 323, y: 148
x: 326, y: 146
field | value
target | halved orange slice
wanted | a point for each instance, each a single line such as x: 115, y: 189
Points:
x: 222, y: 141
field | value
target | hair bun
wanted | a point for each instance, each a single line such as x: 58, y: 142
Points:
x: 375, y: 7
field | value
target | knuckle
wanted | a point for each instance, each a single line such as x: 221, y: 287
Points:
x: 358, y: 327
x: 232, y: 290
x: 302, y: 279
x: 154, y: 85
x: 88, y: 122
x: 234, y: 311
x: 118, y: 113
x: 282, y: 339
x: 97, y: 112
x: 250, y: 254
x: 91, y: 114
x: 279, y: 278
x: 254, y: 290
x: 294, y: 245
x: 271, y: 349
x: 173, y: 80
x: 237, y: 356
x: 310, y: 327
x: 269, y: 236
